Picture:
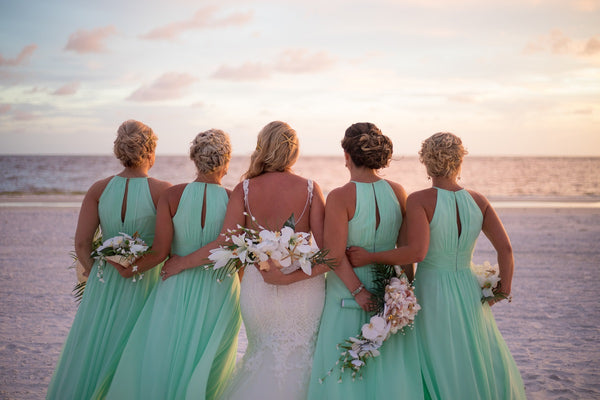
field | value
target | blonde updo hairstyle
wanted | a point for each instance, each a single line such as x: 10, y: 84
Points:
x: 277, y: 149
x: 367, y: 146
x: 210, y: 150
x: 135, y: 143
x: 442, y: 154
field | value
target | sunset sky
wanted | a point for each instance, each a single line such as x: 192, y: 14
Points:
x: 511, y: 77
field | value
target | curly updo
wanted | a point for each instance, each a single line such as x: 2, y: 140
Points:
x: 210, y: 150
x: 134, y: 144
x: 442, y: 154
x: 367, y: 146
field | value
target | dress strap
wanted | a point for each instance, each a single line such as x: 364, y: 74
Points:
x: 308, y: 199
x: 245, y: 185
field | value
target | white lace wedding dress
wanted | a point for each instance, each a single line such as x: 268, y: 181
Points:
x: 281, y: 325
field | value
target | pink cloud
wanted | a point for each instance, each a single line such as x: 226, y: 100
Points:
x: 67, y: 90
x: 91, y: 41
x: 556, y: 42
x: 298, y: 61
x: 21, y: 58
x: 203, y: 19
x: 171, y: 85
x: 592, y: 47
x: 246, y: 72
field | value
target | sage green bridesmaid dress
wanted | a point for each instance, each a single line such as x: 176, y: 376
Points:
x: 109, y: 309
x: 463, y: 355
x: 184, y: 344
x: 395, y: 374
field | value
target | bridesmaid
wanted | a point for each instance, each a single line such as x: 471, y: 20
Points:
x: 108, y: 310
x: 462, y: 353
x: 184, y: 344
x: 367, y: 212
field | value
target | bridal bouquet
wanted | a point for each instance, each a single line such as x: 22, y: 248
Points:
x: 292, y: 250
x: 396, y: 307
x: 488, y: 277
x: 122, y: 249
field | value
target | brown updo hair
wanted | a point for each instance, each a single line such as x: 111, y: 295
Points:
x: 442, y: 154
x: 277, y: 149
x: 210, y: 150
x: 367, y: 146
x: 135, y: 143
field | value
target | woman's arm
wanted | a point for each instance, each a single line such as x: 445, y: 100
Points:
x: 317, y: 215
x: 163, y: 237
x: 234, y: 216
x: 337, y: 215
x: 87, y: 224
x: 494, y: 230
x: 417, y: 239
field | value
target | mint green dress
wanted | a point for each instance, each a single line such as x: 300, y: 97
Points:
x: 109, y: 309
x: 462, y: 353
x: 395, y: 374
x: 184, y: 344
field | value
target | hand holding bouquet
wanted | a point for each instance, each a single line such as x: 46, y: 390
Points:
x: 122, y: 249
x: 488, y: 278
x: 396, y: 308
x: 291, y: 250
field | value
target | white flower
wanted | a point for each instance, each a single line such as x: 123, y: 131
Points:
x: 220, y: 257
x: 138, y: 248
x: 376, y: 330
x: 487, y: 292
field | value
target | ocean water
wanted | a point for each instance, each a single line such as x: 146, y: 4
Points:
x: 505, y: 179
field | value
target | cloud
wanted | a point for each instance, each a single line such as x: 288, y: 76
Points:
x: 171, y: 85
x: 67, y: 90
x: 246, y: 72
x: 21, y: 58
x: 91, y: 41
x: 299, y: 61
x: 203, y: 19
x: 291, y: 61
x: 592, y: 47
x: 556, y: 42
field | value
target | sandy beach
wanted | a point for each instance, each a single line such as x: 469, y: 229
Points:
x: 552, y: 326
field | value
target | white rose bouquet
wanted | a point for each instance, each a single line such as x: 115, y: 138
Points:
x: 122, y: 249
x: 488, y: 277
x: 396, y: 307
x: 292, y: 250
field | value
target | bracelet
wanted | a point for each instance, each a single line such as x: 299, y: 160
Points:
x: 358, y: 289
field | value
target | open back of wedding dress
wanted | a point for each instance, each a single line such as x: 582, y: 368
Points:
x: 281, y: 325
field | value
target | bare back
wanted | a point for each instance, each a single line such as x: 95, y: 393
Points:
x: 274, y: 197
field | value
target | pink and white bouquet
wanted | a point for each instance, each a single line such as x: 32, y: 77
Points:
x: 396, y: 308
x: 122, y: 249
x: 244, y: 246
x: 488, y: 278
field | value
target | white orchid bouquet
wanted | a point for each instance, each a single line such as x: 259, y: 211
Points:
x: 122, y: 249
x: 488, y: 277
x: 244, y: 246
x: 395, y: 309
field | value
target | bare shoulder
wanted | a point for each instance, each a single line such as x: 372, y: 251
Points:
x: 480, y: 199
x: 95, y: 191
x: 423, y: 196
x: 342, y: 193
x: 174, y: 191
x: 158, y: 185
x: 397, y: 188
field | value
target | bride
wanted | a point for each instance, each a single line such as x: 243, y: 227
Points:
x: 281, y: 320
